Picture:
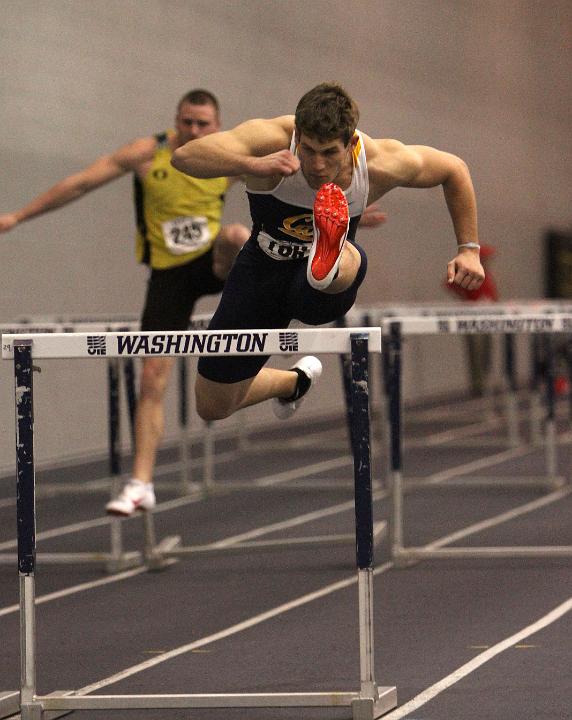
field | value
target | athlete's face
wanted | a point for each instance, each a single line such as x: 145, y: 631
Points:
x: 323, y: 162
x: 195, y: 121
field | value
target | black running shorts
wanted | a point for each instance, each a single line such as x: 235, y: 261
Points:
x: 264, y: 293
x: 172, y: 293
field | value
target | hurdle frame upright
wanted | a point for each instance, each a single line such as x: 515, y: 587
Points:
x: 117, y: 558
x: 397, y: 327
x: 370, y: 701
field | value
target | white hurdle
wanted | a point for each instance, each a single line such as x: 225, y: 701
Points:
x: 116, y: 558
x: 395, y: 328
x: 370, y: 700
x: 383, y: 313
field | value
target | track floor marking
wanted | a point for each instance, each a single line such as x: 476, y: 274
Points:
x: 499, y: 519
x: 188, y: 500
x: 298, y: 602
x: 479, y: 464
x: 225, y: 542
x: 58, y: 594
x: 477, y: 661
x: 291, y: 522
x: 227, y: 632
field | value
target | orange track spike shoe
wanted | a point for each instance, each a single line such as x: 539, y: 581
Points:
x: 331, y: 224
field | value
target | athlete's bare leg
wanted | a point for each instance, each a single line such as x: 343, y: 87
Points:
x: 348, y: 269
x: 226, y: 247
x: 216, y: 401
x: 150, y: 416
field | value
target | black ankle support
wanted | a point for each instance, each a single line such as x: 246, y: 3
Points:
x: 302, y: 386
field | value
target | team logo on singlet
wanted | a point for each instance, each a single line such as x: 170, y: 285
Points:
x: 300, y: 229
x: 299, y: 226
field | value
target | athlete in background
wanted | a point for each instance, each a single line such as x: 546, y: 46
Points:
x: 180, y: 238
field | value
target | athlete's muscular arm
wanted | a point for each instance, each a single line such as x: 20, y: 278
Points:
x: 416, y: 166
x: 102, y: 171
x: 257, y: 148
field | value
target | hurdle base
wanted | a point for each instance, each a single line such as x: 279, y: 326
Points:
x: 156, y: 559
x: 123, y: 562
x: 170, y: 547
x: 111, y: 563
x: 363, y: 708
x: 29, y: 711
x: 409, y: 555
x: 402, y: 558
x: 533, y: 482
x: 370, y: 709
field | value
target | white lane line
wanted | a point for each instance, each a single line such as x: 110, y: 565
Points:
x: 225, y: 542
x: 292, y: 522
x: 308, y: 517
x: 246, y: 624
x: 468, y: 467
x: 502, y: 518
x: 227, y: 632
x: 479, y: 660
x: 187, y: 500
x: 58, y: 594
x: 323, y: 466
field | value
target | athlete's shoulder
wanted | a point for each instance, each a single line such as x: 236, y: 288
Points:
x: 390, y: 161
x: 136, y: 152
x: 279, y: 128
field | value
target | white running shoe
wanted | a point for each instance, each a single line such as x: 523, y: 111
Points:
x: 311, y: 367
x: 135, y: 496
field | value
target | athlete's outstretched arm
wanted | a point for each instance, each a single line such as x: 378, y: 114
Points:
x: 452, y: 173
x: 418, y: 166
x: 256, y: 148
x: 102, y: 171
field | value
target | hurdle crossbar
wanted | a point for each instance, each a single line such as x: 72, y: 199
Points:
x: 395, y: 329
x: 367, y: 703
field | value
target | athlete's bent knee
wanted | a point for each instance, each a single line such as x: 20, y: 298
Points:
x: 212, y: 401
x: 155, y: 377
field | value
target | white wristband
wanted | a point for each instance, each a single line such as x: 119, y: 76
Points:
x: 472, y: 245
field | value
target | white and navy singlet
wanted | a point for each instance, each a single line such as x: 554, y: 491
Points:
x: 282, y: 217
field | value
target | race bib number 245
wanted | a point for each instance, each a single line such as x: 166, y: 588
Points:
x: 185, y: 234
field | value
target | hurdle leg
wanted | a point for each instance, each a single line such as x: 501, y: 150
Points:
x: 373, y: 701
x: 569, y: 372
x: 535, y: 405
x: 25, y: 505
x: 116, y: 538
x: 394, y: 389
x: 511, y: 403
x: 550, y: 446
x: 384, y: 393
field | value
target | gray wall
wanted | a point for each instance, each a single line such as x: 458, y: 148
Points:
x: 489, y: 80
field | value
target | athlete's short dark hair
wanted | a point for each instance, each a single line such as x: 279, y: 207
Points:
x: 199, y: 97
x: 327, y: 112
